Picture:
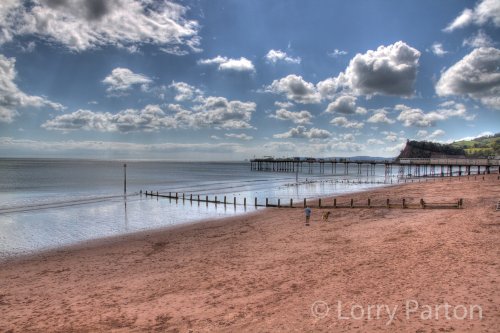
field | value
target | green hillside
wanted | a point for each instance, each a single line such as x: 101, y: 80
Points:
x: 480, y: 147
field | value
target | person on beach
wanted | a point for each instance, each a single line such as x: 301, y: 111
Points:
x: 307, y: 211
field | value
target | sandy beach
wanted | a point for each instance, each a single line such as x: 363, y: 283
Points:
x: 377, y: 269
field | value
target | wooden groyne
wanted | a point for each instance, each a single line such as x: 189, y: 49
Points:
x: 313, y: 203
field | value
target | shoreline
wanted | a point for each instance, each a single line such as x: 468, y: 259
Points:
x: 265, y: 270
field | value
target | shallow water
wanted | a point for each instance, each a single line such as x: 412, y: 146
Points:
x: 50, y: 203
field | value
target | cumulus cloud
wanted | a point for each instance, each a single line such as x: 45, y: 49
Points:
x: 374, y: 142
x: 85, y: 24
x: 122, y: 79
x: 274, y: 56
x: 296, y: 89
x: 417, y: 117
x: 481, y: 39
x: 476, y: 76
x: 215, y: 112
x: 437, y: 49
x: 344, y: 122
x: 345, y: 104
x: 12, y: 98
x: 241, y: 136
x: 184, y: 91
x: 299, y: 117
x: 484, y: 12
x: 283, y: 105
x: 380, y: 116
x: 303, y: 132
x: 424, y: 135
x: 229, y: 64
x: 388, y: 70
x: 329, y: 88
x: 391, y: 136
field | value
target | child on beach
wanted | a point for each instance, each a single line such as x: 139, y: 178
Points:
x: 307, y: 211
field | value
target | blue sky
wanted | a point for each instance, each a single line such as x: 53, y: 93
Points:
x: 228, y: 80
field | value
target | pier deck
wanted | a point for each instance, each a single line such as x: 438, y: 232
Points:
x: 406, y: 166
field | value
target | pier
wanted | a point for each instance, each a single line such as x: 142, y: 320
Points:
x: 406, y: 167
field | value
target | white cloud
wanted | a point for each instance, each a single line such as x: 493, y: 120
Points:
x: 215, y: 112
x: 374, y: 142
x: 468, y: 138
x: 416, y: 117
x: 81, y: 24
x: 481, y: 39
x: 484, y: 12
x: 283, y: 105
x: 475, y: 76
x: 229, y: 64
x: 273, y: 56
x: 329, y: 88
x: 437, y: 49
x: 303, y: 132
x: 380, y: 116
x: 122, y: 79
x: 336, y: 53
x: 299, y: 117
x: 241, y: 136
x: 184, y: 91
x: 345, y: 104
x: 12, y: 98
x: 295, y: 89
x: 423, y: 134
x: 343, y: 122
x: 391, y: 136
x: 388, y: 70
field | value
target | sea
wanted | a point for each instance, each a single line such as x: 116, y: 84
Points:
x: 49, y: 203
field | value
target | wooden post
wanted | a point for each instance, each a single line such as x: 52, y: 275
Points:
x: 191, y: 197
x: 404, y: 205
x: 305, y: 205
x: 267, y: 202
x: 319, y: 203
x: 388, y: 205
x: 278, y: 203
x: 234, y: 201
x: 460, y: 203
x: 255, y: 201
x: 352, y: 203
x: 215, y: 200
x: 245, y: 201
x: 224, y: 200
x: 206, y: 199
x: 291, y: 202
x: 369, y: 203
x: 335, y: 203
x: 125, y: 179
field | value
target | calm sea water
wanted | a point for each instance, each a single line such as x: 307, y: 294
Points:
x: 46, y: 203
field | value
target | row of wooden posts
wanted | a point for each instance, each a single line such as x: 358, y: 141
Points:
x: 388, y: 204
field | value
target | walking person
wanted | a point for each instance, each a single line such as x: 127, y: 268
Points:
x: 307, y: 211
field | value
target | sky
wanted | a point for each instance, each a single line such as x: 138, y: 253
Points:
x: 236, y: 79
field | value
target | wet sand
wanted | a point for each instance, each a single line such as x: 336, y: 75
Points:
x: 267, y: 272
